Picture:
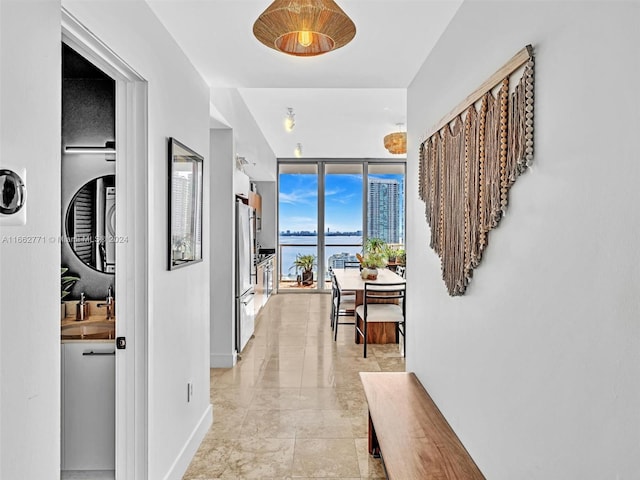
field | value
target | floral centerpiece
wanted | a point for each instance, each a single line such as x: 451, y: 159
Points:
x: 371, y: 262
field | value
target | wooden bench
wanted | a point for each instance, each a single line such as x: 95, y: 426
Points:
x: 410, y: 434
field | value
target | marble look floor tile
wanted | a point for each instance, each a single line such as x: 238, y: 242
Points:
x: 226, y: 423
x: 270, y: 424
x: 318, y: 399
x: 260, y: 458
x: 370, y: 467
x: 391, y: 364
x: 231, y: 398
x: 210, y: 460
x: 280, y: 379
x: 388, y: 350
x: 318, y: 379
x: 276, y: 399
x: 280, y: 351
x: 284, y: 363
x: 331, y: 457
x: 324, y: 424
x: 293, y: 387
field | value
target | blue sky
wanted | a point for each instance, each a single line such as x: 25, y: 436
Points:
x: 343, y: 197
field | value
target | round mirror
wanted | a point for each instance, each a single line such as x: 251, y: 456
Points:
x: 91, y: 224
x: 12, y: 192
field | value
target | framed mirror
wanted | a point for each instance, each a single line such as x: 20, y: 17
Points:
x: 91, y: 224
x: 185, y: 205
x: 13, y: 194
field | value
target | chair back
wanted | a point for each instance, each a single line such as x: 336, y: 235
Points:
x: 332, y: 278
x: 376, y: 292
x: 348, y: 264
x: 335, y: 288
x: 400, y: 270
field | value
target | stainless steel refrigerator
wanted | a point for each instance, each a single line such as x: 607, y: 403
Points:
x: 245, y: 274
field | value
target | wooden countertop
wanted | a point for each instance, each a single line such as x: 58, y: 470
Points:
x: 350, y: 279
x: 97, y: 316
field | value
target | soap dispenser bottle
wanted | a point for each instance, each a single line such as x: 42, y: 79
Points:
x: 82, y: 309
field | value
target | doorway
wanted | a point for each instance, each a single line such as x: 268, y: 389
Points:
x: 88, y: 263
x: 130, y: 190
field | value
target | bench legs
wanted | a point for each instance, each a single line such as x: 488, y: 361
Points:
x: 374, y: 447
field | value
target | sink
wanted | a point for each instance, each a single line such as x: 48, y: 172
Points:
x: 86, y: 331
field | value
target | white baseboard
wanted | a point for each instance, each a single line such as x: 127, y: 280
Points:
x: 190, y: 448
x: 223, y: 360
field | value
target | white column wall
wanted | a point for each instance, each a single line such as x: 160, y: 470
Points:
x: 30, y: 254
x: 222, y: 250
x: 537, y: 367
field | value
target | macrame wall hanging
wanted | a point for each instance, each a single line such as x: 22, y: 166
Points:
x: 469, y: 163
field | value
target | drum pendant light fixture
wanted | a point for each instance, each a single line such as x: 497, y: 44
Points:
x: 396, y: 142
x: 304, y: 28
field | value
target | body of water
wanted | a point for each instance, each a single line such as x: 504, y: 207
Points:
x: 333, y: 246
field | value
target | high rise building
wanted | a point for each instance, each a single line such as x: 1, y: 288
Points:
x: 384, y: 210
x: 337, y: 260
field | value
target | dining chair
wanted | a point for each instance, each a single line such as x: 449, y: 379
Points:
x: 342, y: 305
x: 334, y: 293
x: 351, y: 264
x: 383, y: 302
x: 400, y: 270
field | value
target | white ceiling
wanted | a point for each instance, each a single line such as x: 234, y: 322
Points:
x: 345, y: 101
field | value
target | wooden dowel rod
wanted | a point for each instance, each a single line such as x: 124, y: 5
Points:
x: 508, y: 68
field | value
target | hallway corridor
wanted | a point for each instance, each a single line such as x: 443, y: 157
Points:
x: 293, y: 407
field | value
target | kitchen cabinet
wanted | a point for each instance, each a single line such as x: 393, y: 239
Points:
x: 88, y: 405
x: 268, y: 278
x: 255, y: 201
x: 258, y: 299
x: 264, y: 285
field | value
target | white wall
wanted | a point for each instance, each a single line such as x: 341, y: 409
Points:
x: 249, y: 141
x: 222, y: 250
x: 29, y: 289
x: 537, y: 367
x: 244, y: 138
x: 30, y: 272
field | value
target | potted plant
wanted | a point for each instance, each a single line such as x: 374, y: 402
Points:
x: 305, y: 264
x: 371, y: 262
x: 392, y: 253
x: 66, y: 282
x: 375, y: 245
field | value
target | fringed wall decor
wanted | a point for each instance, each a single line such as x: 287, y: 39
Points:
x: 468, y: 164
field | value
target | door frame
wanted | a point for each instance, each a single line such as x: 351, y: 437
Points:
x: 132, y: 226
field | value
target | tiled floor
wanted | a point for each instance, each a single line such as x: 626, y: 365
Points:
x: 293, y: 407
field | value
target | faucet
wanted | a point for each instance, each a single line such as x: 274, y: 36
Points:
x: 82, y: 308
x: 109, y: 303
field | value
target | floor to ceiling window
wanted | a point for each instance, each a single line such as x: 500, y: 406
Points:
x: 343, y: 217
x: 385, y: 203
x: 326, y: 211
x: 297, y: 223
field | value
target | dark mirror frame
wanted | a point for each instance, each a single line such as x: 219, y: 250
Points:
x: 92, y: 244
x: 185, y: 205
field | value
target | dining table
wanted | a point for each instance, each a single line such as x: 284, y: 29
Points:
x: 349, y: 280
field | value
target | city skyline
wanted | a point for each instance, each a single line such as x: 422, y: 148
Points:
x: 298, y: 202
